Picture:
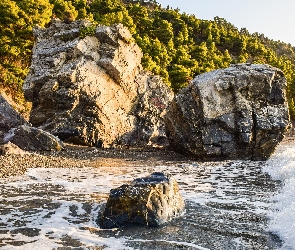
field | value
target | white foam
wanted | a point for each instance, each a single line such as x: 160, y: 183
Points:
x: 281, y: 166
x: 202, y: 184
x: 177, y: 243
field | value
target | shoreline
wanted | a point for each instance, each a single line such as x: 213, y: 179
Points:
x: 81, y: 156
x: 74, y: 156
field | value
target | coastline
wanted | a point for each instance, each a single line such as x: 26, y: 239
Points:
x: 81, y: 156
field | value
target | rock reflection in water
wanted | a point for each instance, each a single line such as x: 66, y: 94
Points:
x: 226, y: 208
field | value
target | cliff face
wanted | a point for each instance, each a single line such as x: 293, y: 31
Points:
x: 91, y: 90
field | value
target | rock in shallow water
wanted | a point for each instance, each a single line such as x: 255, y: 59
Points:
x: 149, y: 201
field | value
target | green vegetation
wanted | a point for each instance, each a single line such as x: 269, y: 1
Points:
x: 87, y: 31
x: 175, y: 45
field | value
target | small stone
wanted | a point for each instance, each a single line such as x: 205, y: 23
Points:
x: 10, y: 149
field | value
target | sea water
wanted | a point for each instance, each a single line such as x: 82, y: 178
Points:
x: 229, y: 205
x: 281, y: 166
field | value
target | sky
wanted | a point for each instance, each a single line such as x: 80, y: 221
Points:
x: 273, y: 18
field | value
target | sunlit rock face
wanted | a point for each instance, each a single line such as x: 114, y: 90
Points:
x: 91, y: 90
x: 150, y: 201
x: 239, y: 112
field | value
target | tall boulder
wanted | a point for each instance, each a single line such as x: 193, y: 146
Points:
x: 88, y: 89
x: 238, y: 112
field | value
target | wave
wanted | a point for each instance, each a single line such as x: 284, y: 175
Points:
x: 281, y: 166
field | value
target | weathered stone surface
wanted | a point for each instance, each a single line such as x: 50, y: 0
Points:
x: 149, y: 201
x: 32, y: 139
x: 9, y: 118
x: 238, y: 112
x: 149, y: 108
x: 16, y: 132
x: 88, y: 90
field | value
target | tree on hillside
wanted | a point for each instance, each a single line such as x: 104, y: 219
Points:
x: 175, y: 45
x: 17, y: 19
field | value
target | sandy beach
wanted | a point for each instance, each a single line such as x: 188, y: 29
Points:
x: 80, y: 156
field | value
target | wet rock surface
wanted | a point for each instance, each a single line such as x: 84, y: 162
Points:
x: 236, y: 113
x: 149, y: 201
x: 91, y: 90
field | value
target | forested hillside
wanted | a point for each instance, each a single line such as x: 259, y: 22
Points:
x: 175, y: 45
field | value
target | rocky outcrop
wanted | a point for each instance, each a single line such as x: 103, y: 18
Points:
x: 33, y: 139
x: 9, y: 118
x: 91, y: 90
x: 16, y: 131
x: 149, y: 201
x: 238, y: 112
x: 87, y: 87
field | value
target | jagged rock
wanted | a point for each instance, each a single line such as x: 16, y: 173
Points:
x: 32, y: 139
x: 88, y: 90
x: 16, y: 132
x: 9, y: 118
x: 148, y: 109
x: 238, y: 112
x: 149, y: 201
x: 11, y: 149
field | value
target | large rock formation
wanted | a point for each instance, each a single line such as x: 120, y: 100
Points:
x: 91, y: 90
x: 149, y: 201
x: 238, y: 112
x: 87, y: 87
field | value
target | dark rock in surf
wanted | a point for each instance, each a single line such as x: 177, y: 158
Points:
x: 149, y: 201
